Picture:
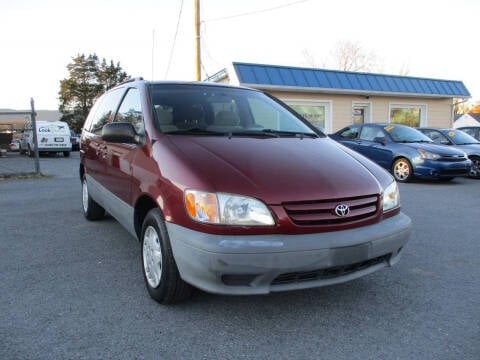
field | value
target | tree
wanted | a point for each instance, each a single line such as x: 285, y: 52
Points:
x: 461, y: 106
x: 476, y: 108
x: 88, y: 78
x: 350, y: 56
x: 111, y: 75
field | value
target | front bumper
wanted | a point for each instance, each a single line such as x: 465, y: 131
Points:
x: 259, y: 264
x: 442, y: 169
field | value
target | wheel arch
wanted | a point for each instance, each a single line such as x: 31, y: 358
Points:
x: 81, y: 171
x: 143, y: 205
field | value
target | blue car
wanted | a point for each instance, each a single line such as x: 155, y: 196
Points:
x: 459, y: 140
x: 404, y: 151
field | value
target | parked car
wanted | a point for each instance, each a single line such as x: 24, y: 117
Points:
x: 15, y: 145
x: 460, y: 140
x: 472, y: 131
x: 230, y: 192
x: 404, y: 151
x: 75, y: 140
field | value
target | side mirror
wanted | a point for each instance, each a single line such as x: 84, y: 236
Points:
x: 120, y: 132
x: 380, y: 140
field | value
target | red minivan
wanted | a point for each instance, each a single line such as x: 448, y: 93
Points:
x: 232, y: 192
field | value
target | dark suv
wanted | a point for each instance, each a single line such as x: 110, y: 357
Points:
x: 231, y: 192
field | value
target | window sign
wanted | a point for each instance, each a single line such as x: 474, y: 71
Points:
x: 315, y: 114
x: 411, y: 115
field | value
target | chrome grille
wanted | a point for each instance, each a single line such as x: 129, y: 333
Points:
x: 322, y: 212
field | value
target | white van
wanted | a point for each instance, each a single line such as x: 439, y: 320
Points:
x: 52, y: 137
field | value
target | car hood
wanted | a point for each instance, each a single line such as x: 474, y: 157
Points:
x: 444, y: 150
x: 469, y: 149
x: 274, y: 169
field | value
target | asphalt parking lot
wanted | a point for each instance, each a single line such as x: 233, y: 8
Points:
x: 73, y: 289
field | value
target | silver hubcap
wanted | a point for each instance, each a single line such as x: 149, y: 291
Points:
x: 475, y: 169
x: 401, y: 170
x: 85, y: 196
x: 152, y: 257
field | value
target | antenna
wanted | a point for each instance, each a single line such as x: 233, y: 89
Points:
x: 153, y: 52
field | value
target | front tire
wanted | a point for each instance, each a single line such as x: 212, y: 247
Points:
x: 402, y: 170
x: 91, y: 209
x: 160, y: 271
x: 475, y: 169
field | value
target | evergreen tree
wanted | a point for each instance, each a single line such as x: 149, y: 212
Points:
x: 88, y: 79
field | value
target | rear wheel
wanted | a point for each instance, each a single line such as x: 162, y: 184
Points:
x: 160, y: 271
x: 475, y: 169
x: 66, y: 153
x: 91, y: 209
x: 402, y: 170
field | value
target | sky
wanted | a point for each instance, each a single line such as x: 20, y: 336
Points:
x: 155, y: 39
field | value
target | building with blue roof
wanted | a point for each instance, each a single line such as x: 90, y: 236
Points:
x: 332, y: 99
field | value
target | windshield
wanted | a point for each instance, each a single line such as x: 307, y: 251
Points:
x: 401, y: 133
x: 213, y: 110
x: 460, y: 138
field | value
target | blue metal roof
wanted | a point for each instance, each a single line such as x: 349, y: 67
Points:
x: 274, y: 76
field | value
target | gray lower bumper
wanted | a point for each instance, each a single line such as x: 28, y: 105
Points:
x: 236, y: 264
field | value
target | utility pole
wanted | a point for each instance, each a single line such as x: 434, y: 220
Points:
x: 198, y: 57
x: 35, y: 138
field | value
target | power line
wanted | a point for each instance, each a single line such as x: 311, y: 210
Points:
x: 174, y: 40
x: 256, y: 12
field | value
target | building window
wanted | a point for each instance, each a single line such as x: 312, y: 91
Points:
x: 316, y: 113
x: 411, y: 115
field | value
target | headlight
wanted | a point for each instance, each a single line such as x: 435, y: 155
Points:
x: 427, y: 155
x: 226, y: 209
x: 391, y: 197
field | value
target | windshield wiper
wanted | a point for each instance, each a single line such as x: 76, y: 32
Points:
x: 413, y: 141
x: 194, y: 131
x: 274, y: 133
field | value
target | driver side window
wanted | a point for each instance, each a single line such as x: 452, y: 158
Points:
x: 131, y: 111
x: 370, y: 133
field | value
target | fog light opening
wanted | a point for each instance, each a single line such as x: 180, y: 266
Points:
x: 238, y: 279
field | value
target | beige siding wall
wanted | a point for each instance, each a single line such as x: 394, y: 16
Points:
x: 438, y: 111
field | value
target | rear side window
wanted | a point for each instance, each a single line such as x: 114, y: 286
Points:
x: 103, y: 114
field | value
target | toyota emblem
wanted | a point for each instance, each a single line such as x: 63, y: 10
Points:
x: 342, y: 210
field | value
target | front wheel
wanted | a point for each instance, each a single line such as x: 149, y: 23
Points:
x: 91, y: 209
x: 475, y: 169
x: 402, y: 170
x: 160, y: 271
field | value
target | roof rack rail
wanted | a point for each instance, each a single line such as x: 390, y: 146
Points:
x: 138, y: 78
